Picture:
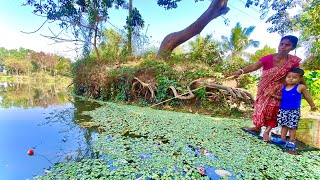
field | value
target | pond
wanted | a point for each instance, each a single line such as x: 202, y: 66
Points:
x: 45, y: 118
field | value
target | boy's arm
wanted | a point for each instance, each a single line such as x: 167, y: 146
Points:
x: 303, y: 81
x: 308, y: 97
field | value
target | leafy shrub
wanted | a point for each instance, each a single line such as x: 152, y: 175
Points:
x: 313, y: 81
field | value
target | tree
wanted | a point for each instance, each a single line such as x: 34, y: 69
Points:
x: 171, y: 41
x: 63, y: 67
x: 205, y: 49
x: 17, y: 67
x: 113, y: 46
x: 238, y: 42
x: 3, y: 55
x: 309, y: 23
x: 216, y: 9
x: 85, y: 19
x: 43, y: 61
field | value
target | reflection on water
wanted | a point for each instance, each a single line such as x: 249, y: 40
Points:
x: 43, y: 117
x: 309, y: 131
x: 31, y: 95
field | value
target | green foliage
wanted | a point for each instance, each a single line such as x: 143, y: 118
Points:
x: 280, y: 20
x: 201, y: 94
x: 202, y: 73
x: 63, y: 67
x: 245, y: 81
x: 148, y: 143
x: 306, y: 21
x: 134, y: 20
x: 178, y: 58
x: 205, y: 50
x: 25, y: 62
x: 159, y: 67
x: 163, y: 84
x: 84, y: 18
x: 165, y: 77
x: 3, y: 55
x: 312, y: 63
x: 309, y: 24
x: 17, y: 67
x: 113, y: 47
x: 120, y: 85
x: 266, y: 50
x: 77, y: 65
x: 313, y: 81
x: 236, y: 44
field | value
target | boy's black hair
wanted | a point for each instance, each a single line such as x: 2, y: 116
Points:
x: 298, y: 71
x: 292, y: 39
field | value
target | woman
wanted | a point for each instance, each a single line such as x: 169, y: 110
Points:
x: 274, y: 69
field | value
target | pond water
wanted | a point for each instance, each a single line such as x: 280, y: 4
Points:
x: 46, y: 119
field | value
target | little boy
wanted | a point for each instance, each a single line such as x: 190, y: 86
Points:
x: 289, y: 112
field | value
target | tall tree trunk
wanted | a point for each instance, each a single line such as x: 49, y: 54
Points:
x: 95, y: 43
x: 95, y: 35
x: 173, y: 40
x: 130, y: 29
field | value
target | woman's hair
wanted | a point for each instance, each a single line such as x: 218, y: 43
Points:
x: 298, y: 71
x: 292, y: 39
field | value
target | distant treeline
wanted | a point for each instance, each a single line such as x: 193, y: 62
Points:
x: 26, y: 62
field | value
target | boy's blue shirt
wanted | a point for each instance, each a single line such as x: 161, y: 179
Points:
x: 290, y: 99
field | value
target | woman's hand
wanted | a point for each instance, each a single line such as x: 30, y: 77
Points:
x: 272, y: 94
x: 236, y: 73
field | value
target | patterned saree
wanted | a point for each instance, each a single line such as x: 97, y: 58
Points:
x: 271, y: 80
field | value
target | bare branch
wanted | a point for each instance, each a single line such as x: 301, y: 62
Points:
x: 37, y: 29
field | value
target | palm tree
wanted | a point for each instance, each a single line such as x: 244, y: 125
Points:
x: 238, y: 42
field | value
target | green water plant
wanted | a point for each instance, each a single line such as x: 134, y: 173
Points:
x: 155, y: 144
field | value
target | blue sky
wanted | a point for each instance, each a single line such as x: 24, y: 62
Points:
x: 15, y: 18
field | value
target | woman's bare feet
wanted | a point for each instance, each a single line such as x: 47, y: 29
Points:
x: 266, y: 137
x: 257, y: 129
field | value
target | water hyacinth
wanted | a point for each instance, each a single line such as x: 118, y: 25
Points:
x: 143, y: 143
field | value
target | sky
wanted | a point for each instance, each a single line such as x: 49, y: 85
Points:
x: 16, y: 19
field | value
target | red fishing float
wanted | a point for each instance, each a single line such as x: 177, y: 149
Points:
x: 31, y: 152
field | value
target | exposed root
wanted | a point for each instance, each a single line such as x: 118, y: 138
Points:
x: 215, y: 93
x: 142, y: 89
x: 185, y: 96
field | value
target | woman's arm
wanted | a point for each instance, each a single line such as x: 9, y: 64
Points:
x: 247, y: 69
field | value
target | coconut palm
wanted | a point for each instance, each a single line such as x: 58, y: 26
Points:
x: 238, y: 42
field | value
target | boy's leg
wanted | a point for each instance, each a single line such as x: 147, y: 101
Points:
x: 284, y: 132
x: 292, y: 134
x: 290, y: 143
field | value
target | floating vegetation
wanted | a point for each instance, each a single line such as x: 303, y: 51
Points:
x: 144, y: 143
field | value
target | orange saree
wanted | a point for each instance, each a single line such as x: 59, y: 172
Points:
x: 266, y: 107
